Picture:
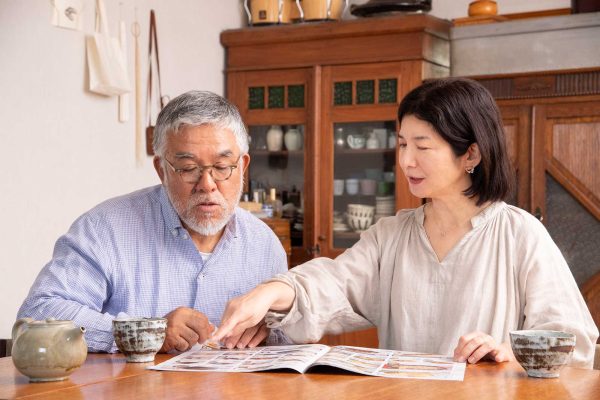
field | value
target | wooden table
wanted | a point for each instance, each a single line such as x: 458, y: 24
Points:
x: 106, y: 376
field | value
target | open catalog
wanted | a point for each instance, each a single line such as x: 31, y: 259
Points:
x: 375, y: 362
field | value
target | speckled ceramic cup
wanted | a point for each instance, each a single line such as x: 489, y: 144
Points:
x: 139, y: 339
x: 542, y: 353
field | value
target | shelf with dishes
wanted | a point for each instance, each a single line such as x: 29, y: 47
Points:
x: 277, y: 153
x: 344, y: 151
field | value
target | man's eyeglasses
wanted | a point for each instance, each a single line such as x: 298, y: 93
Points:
x: 192, y: 173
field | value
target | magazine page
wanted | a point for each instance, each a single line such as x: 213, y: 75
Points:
x: 393, y: 364
x: 296, y: 357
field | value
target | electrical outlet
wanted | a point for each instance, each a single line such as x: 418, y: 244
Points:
x: 67, y: 14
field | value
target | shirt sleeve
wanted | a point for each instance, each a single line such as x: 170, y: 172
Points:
x: 75, y: 284
x: 552, y: 299
x: 333, y: 296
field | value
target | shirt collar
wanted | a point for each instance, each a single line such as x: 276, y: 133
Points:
x: 170, y: 216
x: 173, y: 221
x: 485, y: 215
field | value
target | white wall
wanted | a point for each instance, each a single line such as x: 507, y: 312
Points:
x: 63, y: 150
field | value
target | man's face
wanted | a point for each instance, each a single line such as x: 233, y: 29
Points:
x: 206, y: 205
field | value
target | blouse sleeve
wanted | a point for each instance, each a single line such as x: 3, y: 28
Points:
x: 333, y: 296
x: 552, y: 299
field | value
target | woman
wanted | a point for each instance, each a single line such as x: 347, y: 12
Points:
x: 454, y: 276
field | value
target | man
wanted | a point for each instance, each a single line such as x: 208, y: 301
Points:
x: 180, y: 250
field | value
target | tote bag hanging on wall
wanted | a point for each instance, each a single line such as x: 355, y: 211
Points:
x: 106, y: 61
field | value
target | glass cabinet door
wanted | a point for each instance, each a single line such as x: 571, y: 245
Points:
x: 364, y: 177
x: 277, y: 162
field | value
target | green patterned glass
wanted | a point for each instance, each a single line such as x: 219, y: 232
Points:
x: 365, y: 92
x: 256, y: 98
x: 296, y: 96
x: 342, y: 93
x: 388, y: 90
x: 276, y: 96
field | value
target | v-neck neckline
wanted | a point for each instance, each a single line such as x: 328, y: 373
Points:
x: 476, y: 221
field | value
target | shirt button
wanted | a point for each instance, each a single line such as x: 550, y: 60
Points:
x: 184, y: 236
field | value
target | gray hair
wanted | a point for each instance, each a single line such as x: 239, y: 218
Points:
x: 197, y: 108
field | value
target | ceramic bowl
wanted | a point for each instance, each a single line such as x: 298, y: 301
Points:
x: 139, y: 339
x: 542, y: 353
x: 360, y: 216
x: 481, y: 8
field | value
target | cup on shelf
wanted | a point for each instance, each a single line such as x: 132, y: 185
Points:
x: 356, y: 141
x: 392, y: 141
x: 368, y: 187
x: 338, y: 187
x: 385, y: 188
x: 352, y: 186
x: 360, y: 216
x: 381, y: 134
x: 389, y: 176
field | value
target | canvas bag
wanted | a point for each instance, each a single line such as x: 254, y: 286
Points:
x: 163, y: 100
x: 106, y: 61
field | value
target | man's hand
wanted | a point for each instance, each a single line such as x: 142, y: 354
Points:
x: 185, y: 328
x: 246, y: 313
x: 476, y: 346
x: 251, y: 337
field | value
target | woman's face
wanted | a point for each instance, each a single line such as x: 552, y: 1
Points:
x: 427, y: 160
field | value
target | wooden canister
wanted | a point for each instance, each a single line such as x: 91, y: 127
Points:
x: 315, y: 10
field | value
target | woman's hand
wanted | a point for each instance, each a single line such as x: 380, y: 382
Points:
x: 249, y: 310
x: 476, y: 346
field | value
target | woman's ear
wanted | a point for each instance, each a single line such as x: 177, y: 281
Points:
x: 473, y: 156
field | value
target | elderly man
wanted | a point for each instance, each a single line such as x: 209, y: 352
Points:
x: 180, y: 250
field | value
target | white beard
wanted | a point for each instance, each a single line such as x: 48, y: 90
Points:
x: 207, y: 224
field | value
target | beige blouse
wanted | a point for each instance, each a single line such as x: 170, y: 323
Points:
x: 505, y: 274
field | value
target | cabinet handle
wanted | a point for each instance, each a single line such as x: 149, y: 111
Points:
x: 538, y: 214
x: 314, y: 251
x: 322, y: 237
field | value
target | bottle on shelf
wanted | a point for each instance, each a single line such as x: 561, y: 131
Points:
x: 274, y: 203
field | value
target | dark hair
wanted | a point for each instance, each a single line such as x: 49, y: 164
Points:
x: 463, y: 112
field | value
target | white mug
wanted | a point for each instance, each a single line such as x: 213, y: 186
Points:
x: 338, y: 187
x: 352, y: 186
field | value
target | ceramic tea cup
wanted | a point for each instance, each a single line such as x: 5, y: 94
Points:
x: 542, y: 353
x: 338, y: 187
x: 139, y: 339
x: 356, y: 141
x: 352, y: 186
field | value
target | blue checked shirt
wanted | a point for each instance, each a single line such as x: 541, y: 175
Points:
x: 130, y: 256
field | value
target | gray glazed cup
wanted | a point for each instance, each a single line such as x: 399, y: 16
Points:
x: 139, y: 339
x: 542, y: 353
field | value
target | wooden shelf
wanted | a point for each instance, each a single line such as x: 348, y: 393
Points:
x: 363, y: 151
x: 280, y: 153
x: 346, y: 235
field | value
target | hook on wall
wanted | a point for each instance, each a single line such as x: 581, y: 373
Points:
x: 67, y: 14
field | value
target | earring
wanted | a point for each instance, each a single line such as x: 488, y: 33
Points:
x: 470, y: 170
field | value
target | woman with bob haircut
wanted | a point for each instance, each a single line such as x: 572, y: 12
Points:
x: 453, y: 276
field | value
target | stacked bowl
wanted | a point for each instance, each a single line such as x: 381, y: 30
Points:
x: 360, y: 216
x: 384, y: 206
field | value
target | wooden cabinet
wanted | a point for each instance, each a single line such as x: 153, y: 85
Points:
x: 339, y: 84
x: 281, y: 228
x: 552, y: 121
